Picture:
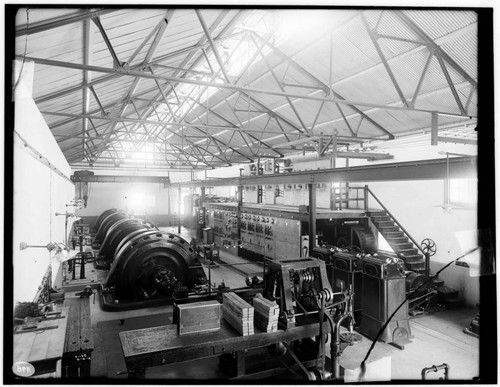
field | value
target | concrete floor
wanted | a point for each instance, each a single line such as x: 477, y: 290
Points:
x: 437, y: 338
x: 428, y: 347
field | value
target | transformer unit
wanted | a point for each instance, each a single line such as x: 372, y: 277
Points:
x: 384, y: 290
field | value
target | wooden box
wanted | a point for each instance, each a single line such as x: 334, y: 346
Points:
x: 201, y: 316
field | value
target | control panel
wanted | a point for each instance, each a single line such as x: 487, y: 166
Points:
x: 223, y: 218
x: 269, y: 236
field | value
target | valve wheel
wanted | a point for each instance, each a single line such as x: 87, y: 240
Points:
x: 429, y: 246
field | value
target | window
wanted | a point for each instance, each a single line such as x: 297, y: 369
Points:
x: 140, y: 203
x: 463, y: 191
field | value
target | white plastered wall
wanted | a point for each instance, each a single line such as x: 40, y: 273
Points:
x: 38, y: 191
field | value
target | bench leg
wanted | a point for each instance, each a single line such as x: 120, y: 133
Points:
x: 240, y: 363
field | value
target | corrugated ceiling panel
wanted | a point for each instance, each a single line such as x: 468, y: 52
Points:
x: 357, y: 70
x: 54, y: 42
x: 357, y: 36
x: 111, y: 92
x: 46, y: 82
x: 349, y: 58
x: 226, y: 111
x: 372, y: 87
x: 408, y: 71
x: 466, y: 44
x: 146, y: 86
x: 54, y: 104
x: 438, y: 23
x: 390, y: 24
x: 37, y: 15
x: 269, y: 100
x: 130, y: 32
x: 308, y: 110
x: 330, y: 112
x: 441, y: 100
x: 184, y: 30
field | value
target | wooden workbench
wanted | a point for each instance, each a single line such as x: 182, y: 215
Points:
x: 79, y: 343
x: 151, y: 347
x: 43, y: 348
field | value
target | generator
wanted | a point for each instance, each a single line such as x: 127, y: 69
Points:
x: 383, y: 291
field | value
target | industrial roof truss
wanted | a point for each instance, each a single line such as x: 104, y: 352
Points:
x: 206, y: 88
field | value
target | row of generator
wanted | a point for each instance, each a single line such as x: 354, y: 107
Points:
x: 142, y: 261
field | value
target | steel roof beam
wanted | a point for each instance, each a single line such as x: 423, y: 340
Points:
x: 421, y: 80
x: 384, y: 60
x: 240, y: 126
x: 87, y: 53
x: 244, y: 130
x: 211, y: 138
x: 190, y: 55
x: 118, y: 179
x: 137, y: 120
x: 159, y: 167
x: 450, y: 83
x: 335, y: 99
x: 116, y: 61
x: 390, y: 37
x: 212, y: 45
x: 113, y: 76
x: 345, y: 120
x: 153, y: 32
x: 327, y: 89
x: 457, y: 140
x: 265, y: 108
x: 165, y: 67
x: 426, y: 38
x: 271, y: 71
x: 186, y: 155
x: 434, y: 169
x: 152, y: 48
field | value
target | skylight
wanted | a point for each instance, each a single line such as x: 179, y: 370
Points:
x: 145, y: 154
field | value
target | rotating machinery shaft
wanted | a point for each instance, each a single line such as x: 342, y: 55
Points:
x: 153, y: 263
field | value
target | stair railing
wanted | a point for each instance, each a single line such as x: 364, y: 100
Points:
x: 426, y: 255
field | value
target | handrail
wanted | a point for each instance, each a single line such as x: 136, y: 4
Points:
x: 395, y: 220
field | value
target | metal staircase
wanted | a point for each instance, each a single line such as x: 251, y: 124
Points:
x: 405, y: 247
x: 399, y: 241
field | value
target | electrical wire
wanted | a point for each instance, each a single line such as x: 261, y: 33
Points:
x: 25, y: 49
x: 363, y: 363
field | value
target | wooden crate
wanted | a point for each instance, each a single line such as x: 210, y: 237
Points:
x: 201, y: 316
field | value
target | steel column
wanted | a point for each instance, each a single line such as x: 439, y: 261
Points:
x: 179, y: 208
x: 434, y: 129
x: 312, y: 217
